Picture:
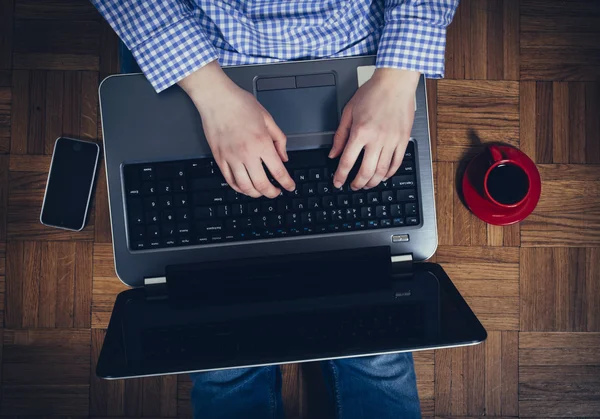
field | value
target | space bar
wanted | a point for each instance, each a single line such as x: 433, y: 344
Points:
x: 307, y: 158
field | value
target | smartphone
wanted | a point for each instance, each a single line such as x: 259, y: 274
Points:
x: 70, y: 184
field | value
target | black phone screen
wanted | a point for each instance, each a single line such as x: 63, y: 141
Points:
x: 69, y: 183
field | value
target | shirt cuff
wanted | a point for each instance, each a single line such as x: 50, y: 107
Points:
x: 413, y: 46
x: 174, y: 53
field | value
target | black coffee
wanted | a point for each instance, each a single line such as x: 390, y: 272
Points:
x: 508, y: 184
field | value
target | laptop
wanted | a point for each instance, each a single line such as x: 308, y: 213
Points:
x: 220, y: 280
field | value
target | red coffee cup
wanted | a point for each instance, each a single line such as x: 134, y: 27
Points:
x: 507, y: 182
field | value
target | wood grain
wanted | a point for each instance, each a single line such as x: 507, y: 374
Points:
x: 558, y: 374
x: 554, y: 290
x: 50, y: 365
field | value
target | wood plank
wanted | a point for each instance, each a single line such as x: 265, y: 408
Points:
x: 558, y: 373
x: 26, y: 163
x: 56, y: 10
x: 560, y: 120
x: 592, y: 123
x: 19, y: 112
x: 48, y: 61
x: 554, y: 230
x: 106, y: 396
x: 444, y: 181
x: 528, y: 120
x: 4, y: 167
x: 576, y: 140
x: 89, y: 106
x: 46, y: 371
x: 6, y: 33
x: 25, y: 198
x: 54, y: 109
x: 563, y: 172
x: 431, y: 86
x: 543, y: 122
x: 449, y: 254
x: 512, y: 39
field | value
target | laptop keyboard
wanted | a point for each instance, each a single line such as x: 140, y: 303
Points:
x: 188, y: 203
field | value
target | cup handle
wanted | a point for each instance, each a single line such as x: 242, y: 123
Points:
x: 495, y: 153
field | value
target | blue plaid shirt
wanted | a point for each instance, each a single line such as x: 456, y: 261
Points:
x: 171, y: 39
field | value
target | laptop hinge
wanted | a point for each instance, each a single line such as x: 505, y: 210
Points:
x: 402, y: 263
x: 156, y: 288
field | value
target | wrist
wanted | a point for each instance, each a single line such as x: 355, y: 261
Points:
x: 397, y: 78
x: 205, y: 83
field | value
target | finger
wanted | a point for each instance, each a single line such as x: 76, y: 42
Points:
x: 279, y: 138
x: 242, y: 179
x: 342, y: 133
x: 367, y: 168
x: 383, y: 166
x: 259, y: 179
x: 349, y: 156
x: 228, y: 175
x: 278, y: 170
x: 396, y: 161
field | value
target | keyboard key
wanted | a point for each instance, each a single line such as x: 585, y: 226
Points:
x: 138, y: 246
x: 183, y: 228
x: 168, y: 230
x: 412, y: 221
x: 396, y: 210
x: 322, y: 216
x: 151, y: 203
x: 184, y: 241
x: 254, y: 208
x: 209, y: 227
x: 343, y: 201
x: 154, y: 243
x: 148, y: 188
x: 352, y: 214
x: 260, y: 222
x: 179, y: 186
x: 165, y: 201
x: 367, y: 212
x: 233, y: 196
x: 152, y: 232
x: 300, y: 176
x: 324, y: 188
x: 328, y: 202
x: 269, y: 207
x: 223, y: 211
x: 152, y: 217
x: 409, y: 154
x: 360, y: 225
x: 406, y: 195
x: 208, y: 183
x: 204, y: 212
x: 372, y: 223
x: 181, y: 200
x: 403, y: 182
x: 292, y: 219
x: 137, y: 233
x: 314, y: 203
x: 381, y: 211
x: 212, y: 197
x: 309, y: 189
x: 410, y: 209
x: 275, y: 220
x: 307, y: 217
x: 333, y: 227
x: 373, y: 198
x: 164, y: 171
x: 359, y: 199
x: 147, y: 172
x: 315, y: 174
x: 398, y: 221
x: 168, y: 216
x: 407, y: 168
x: 183, y: 215
x: 164, y: 187
x: 299, y: 205
x: 385, y: 222
x: 337, y: 215
x: 388, y: 197
x: 238, y: 209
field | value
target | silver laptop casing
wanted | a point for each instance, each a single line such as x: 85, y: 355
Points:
x: 140, y: 126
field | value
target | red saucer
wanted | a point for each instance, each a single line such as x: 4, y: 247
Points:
x: 486, y: 210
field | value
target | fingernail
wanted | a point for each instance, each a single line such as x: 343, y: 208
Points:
x: 384, y: 179
x: 337, y: 184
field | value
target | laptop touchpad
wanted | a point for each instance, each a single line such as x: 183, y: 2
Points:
x: 301, y: 104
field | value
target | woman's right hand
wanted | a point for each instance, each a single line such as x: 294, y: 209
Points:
x: 241, y: 133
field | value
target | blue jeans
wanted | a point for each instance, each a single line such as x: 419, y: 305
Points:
x: 379, y: 387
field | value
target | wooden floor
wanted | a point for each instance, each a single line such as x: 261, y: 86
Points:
x: 526, y: 73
